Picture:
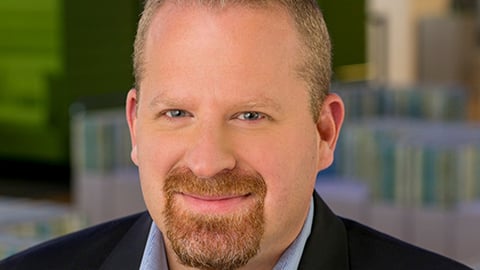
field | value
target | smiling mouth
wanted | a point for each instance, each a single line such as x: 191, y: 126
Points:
x: 217, y: 204
x: 214, y: 198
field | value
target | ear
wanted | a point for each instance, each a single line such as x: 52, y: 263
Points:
x: 328, y: 126
x: 131, y: 114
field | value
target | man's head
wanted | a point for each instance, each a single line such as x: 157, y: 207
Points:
x: 315, y: 67
x: 222, y: 132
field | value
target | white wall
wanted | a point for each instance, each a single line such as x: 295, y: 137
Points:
x: 399, y: 66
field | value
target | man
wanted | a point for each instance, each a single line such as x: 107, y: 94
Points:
x: 230, y: 122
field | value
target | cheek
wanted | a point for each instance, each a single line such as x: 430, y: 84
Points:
x: 156, y: 153
x: 288, y: 165
x: 155, y: 160
x: 291, y: 184
x: 289, y: 169
x: 151, y: 171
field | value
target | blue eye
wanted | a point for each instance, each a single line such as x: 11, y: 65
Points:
x: 176, y: 113
x: 251, y: 116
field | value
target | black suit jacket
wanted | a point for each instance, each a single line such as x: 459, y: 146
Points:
x: 334, y: 244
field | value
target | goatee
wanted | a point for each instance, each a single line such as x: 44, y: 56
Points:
x: 215, y: 241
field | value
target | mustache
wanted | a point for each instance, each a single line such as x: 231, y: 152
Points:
x: 234, y: 182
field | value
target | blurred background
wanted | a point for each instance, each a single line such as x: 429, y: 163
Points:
x: 408, y: 160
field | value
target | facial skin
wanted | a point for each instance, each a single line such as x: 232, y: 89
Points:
x: 221, y: 94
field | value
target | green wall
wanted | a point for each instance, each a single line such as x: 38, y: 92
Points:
x: 346, y: 23
x: 53, y: 53
x: 30, y: 58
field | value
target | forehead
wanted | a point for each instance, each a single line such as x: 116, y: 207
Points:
x: 243, y: 26
x: 234, y: 47
x: 254, y: 23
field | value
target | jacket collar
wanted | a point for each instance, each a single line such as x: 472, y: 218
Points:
x: 327, y: 246
x: 129, y: 250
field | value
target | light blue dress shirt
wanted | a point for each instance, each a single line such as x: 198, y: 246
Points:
x: 155, y: 257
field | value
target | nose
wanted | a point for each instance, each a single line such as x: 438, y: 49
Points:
x: 210, y: 153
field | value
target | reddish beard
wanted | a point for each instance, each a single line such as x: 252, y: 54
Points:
x: 215, y: 241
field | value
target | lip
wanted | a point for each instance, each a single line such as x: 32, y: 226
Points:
x: 220, y: 204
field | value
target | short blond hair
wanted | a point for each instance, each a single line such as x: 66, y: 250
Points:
x: 316, y: 67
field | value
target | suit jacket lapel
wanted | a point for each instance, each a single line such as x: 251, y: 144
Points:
x: 327, y: 246
x: 129, y: 250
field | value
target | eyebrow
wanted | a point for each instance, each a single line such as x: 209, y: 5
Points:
x: 163, y: 99
x: 254, y: 102
x: 260, y: 102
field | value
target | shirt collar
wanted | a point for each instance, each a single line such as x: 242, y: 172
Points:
x: 291, y: 257
x: 154, y: 256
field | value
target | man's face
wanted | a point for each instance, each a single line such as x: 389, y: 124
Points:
x: 223, y: 136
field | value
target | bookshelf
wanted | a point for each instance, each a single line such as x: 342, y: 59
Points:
x: 413, y: 147
x: 26, y: 222
x: 410, y: 158
x: 105, y: 181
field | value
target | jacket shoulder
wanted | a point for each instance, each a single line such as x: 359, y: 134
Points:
x: 371, y: 249
x: 91, y: 245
